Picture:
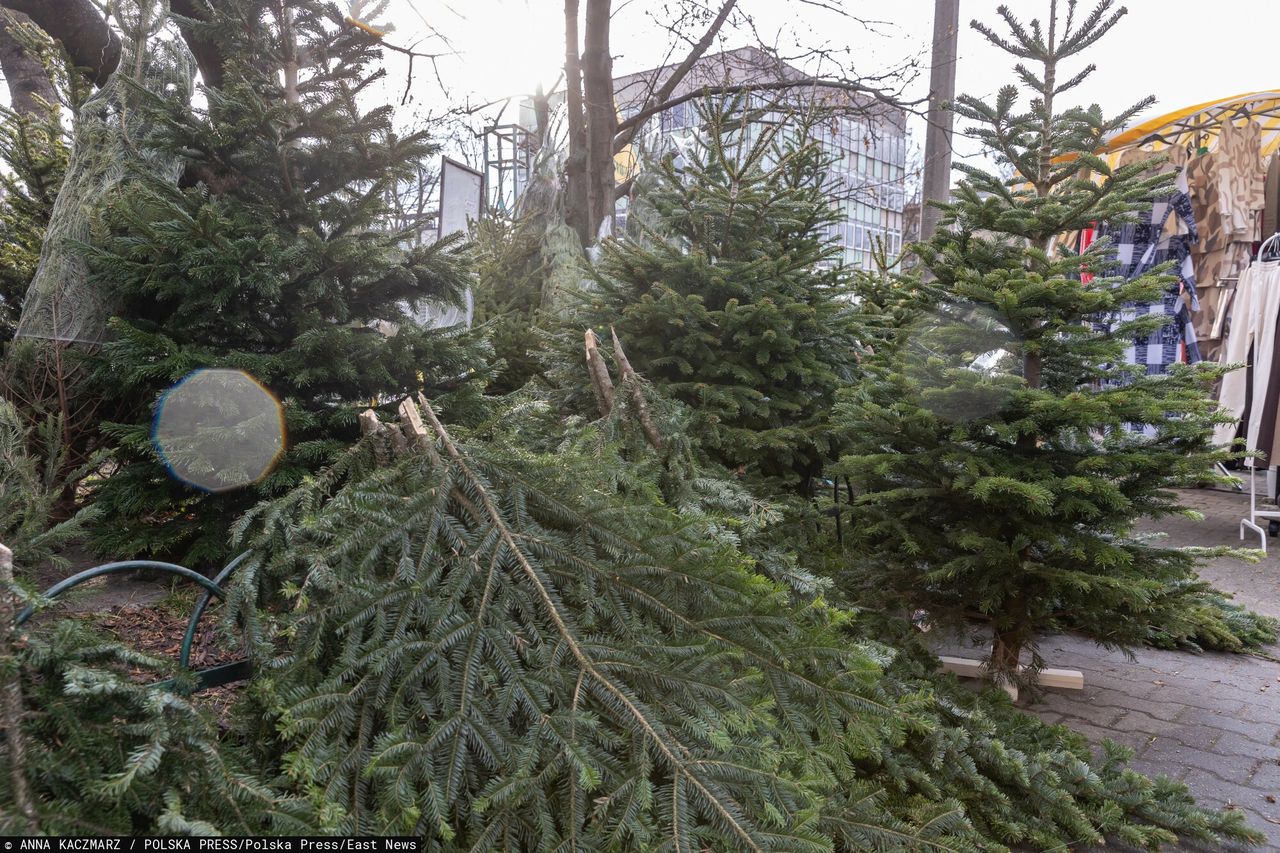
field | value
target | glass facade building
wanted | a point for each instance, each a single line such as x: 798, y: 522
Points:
x: 865, y: 143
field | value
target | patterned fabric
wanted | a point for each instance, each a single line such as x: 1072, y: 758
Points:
x: 1211, y: 320
x: 1242, y: 178
x: 1213, y: 267
x: 1140, y: 246
x: 1203, y: 187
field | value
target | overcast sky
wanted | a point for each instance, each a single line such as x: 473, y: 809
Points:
x: 1181, y: 51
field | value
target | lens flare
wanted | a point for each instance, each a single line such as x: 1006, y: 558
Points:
x: 965, y: 362
x: 219, y: 429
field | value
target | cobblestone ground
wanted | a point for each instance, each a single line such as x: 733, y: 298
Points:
x: 1211, y: 720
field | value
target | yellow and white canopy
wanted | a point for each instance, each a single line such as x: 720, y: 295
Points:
x: 1198, y: 126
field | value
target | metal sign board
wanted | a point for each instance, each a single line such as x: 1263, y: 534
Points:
x: 461, y: 197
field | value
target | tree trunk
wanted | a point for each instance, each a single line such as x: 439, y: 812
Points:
x: 82, y: 30
x: 26, y: 77
x: 1006, y: 647
x: 1007, y: 641
x: 601, y: 114
x: 942, y: 91
x: 577, y: 206
x: 208, y: 56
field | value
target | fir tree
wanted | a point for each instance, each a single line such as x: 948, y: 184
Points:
x: 107, y: 755
x: 502, y: 649
x: 34, y: 150
x: 728, y: 297
x: 272, y: 257
x: 1010, y: 495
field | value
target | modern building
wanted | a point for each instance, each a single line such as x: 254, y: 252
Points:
x: 865, y: 139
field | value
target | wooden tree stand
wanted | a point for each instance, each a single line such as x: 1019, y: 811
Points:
x: 969, y: 668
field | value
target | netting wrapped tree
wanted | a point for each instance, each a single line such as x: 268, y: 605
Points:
x: 62, y: 304
x: 275, y: 258
x: 65, y: 312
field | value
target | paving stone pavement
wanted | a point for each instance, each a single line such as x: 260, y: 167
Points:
x: 1211, y: 720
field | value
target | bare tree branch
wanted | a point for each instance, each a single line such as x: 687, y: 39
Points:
x: 771, y: 86
x: 626, y: 134
x: 27, y: 79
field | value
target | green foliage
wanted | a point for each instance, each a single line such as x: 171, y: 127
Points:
x: 271, y: 257
x: 523, y: 263
x: 34, y: 151
x: 727, y: 295
x: 525, y: 662
x: 107, y: 755
x: 1011, y: 495
x: 33, y: 485
x: 1024, y: 784
x: 1190, y: 614
x: 502, y: 649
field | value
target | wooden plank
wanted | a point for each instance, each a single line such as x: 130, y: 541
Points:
x: 1068, y: 679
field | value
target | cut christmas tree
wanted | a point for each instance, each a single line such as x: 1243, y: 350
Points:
x: 274, y: 257
x: 728, y: 296
x: 1004, y: 449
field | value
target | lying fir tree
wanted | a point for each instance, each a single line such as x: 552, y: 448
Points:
x: 506, y: 650
x: 104, y: 753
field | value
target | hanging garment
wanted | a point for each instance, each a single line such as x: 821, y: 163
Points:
x: 1265, y: 404
x: 1140, y: 246
x: 1253, y: 330
x: 1083, y: 242
x: 1203, y: 187
x: 1242, y: 179
x: 1211, y: 320
x: 1271, y: 193
x: 1213, y: 267
x: 1216, y: 273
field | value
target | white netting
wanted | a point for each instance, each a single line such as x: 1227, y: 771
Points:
x: 60, y: 303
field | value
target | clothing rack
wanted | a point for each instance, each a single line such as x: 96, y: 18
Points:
x: 1271, y: 516
x: 1272, y: 243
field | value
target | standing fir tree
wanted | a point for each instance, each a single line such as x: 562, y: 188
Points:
x: 727, y: 294
x: 1010, y: 494
x: 273, y: 256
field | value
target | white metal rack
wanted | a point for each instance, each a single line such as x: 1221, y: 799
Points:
x: 1254, y: 513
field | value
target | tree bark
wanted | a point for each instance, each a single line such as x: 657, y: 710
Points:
x: 28, y: 81
x: 81, y: 29
x: 942, y: 91
x: 94, y: 47
x: 630, y: 377
x: 601, y: 384
x: 577, y: 206
x: 208, y: 58
x: 601, y: 113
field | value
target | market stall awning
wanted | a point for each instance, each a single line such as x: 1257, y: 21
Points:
x: 1198, y: 125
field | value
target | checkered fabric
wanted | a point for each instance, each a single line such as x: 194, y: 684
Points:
x: 1141, y: 246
